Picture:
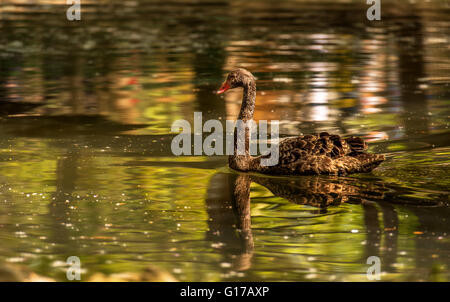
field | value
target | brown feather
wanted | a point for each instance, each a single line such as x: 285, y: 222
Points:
x: 321, y: 154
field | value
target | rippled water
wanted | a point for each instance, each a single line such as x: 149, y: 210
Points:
x: 85, y: 161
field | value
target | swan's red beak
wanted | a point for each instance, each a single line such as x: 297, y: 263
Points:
x: 225, y: 86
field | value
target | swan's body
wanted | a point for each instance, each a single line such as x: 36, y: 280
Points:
x: 302, y: 155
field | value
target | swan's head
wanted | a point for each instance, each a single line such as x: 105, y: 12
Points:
x: 237, y: 78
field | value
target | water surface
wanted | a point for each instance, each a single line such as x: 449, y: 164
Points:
x: 85, y: 161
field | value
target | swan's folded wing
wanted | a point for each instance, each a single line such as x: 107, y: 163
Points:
x: 357, y: 144
x: 332, y: 146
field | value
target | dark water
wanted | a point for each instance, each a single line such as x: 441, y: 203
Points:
x: 85, y: 161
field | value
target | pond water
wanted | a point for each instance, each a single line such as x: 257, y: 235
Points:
x: 86, y: 167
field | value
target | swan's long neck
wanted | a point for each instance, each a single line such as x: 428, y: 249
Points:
x: 248, y: 103
x: 242, y: 162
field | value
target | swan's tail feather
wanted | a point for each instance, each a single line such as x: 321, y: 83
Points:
x: 369, y: 161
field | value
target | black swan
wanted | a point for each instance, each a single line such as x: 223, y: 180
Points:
x: 311, y: 154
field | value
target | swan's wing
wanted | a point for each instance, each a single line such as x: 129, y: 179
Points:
x: 321, y: 154
x: 332, y: 146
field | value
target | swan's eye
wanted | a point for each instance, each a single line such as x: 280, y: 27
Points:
x: 232, y: 80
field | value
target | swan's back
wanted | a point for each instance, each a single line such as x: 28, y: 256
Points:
x: 322, y: 154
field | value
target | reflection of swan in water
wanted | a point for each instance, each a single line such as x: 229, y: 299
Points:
x: 317, y: 191
x: 228, y: 206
